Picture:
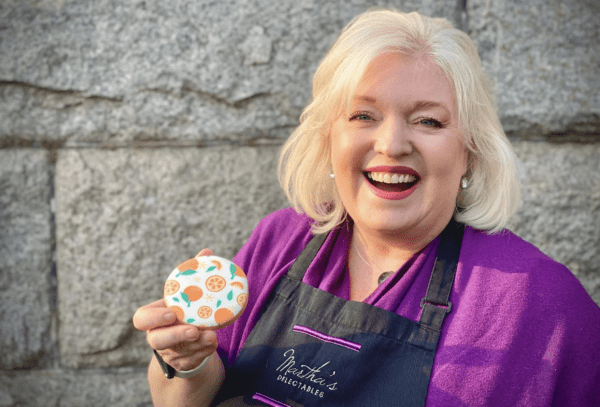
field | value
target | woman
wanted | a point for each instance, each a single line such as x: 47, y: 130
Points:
x: 374, y: 292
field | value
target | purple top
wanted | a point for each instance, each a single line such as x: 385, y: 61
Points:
x: 522, y: 331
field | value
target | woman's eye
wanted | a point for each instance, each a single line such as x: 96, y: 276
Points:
x: 360, y: 116
x: 431, y: 122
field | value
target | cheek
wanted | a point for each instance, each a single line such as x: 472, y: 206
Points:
x: 353, y: 149
x: 336, y: 149
x: 343, y: 151
x: 333, y: 141
x: 448, y: 161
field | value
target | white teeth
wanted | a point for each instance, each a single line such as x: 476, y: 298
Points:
x: 391, y: 178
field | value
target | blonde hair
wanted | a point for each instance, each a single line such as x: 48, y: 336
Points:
x: 493, y: 192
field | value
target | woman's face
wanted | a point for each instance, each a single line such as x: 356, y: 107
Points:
x: 398, y: 154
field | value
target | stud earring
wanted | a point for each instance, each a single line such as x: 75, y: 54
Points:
x: 464, y: 183
x: 331, y: 174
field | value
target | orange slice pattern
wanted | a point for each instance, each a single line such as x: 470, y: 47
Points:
x: 237, y: 284
x: 215, y: 283
x: 204, y: 312
x: 242, y: 299
x: 171, y: 287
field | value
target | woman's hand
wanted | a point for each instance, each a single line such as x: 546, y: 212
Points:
x: 182, y: 346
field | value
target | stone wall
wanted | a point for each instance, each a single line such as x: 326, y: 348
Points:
x: 134, y: 133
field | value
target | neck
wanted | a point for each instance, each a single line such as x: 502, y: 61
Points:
x: 372, y: 254
x: 380, y: 252
x: 367, y: 262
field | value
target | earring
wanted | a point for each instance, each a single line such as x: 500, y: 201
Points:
x: 464, y: 183
x: 331, y: 174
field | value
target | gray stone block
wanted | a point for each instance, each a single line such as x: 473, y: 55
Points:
x: 68, y: 388
x: 561, y: 205
x: 115, y: 72
x: 26, y: 280
x: 544, y: 58
x: 127, y: 217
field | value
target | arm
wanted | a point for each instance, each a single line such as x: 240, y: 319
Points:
x: 199, y: 390
x: 184, y: 347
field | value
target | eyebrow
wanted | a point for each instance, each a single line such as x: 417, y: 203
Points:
x: 418, y: 105
x: 365, y: 99
x: 423, y: 104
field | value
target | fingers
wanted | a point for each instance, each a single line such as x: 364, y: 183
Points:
x: 205, y: 252
x: 183, y: 347
x: 152, y: 316
x: 172, y: 336
x: 189, y: 362
x: 178, y: 336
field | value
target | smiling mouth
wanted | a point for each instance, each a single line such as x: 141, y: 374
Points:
x: 391, y: 182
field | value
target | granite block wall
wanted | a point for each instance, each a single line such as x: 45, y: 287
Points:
x: 134, y: 133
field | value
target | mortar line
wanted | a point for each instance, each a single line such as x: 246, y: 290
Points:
x: 54, y: 324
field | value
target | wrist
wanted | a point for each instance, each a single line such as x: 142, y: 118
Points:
x: 170, y: 372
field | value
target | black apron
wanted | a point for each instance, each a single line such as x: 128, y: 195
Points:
x: 311, y: 348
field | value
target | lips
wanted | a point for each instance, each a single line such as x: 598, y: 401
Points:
x: 392, y: 182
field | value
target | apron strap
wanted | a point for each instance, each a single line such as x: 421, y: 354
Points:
x: 435, y: 304
x: 306, y: 257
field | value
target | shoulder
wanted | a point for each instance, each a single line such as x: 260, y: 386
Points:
x: 274, y: 244
x: 521, y: 326
x: 517, y: 274
x: 513, y: 298
x: 282, y: 233
x: 508, y: 252
x: 285, y: 220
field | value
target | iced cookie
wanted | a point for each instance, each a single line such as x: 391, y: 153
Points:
x: 207, y: 291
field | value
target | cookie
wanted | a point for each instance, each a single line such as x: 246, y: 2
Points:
x: 207, y: 291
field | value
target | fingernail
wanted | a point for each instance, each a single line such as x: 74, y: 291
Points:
x: 170, y: 317
x: 191, y: 333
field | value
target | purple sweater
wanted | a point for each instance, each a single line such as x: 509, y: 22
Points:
x: 522, y: 331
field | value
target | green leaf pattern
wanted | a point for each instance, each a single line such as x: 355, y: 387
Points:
x: 186, y: 273
x: 186, y: 298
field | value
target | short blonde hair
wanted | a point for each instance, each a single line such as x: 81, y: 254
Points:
x: 493, y: 192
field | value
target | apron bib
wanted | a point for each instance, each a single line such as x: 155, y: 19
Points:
x: 311, y: 348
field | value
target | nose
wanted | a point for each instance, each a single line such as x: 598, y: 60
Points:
x: 393, y: 138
